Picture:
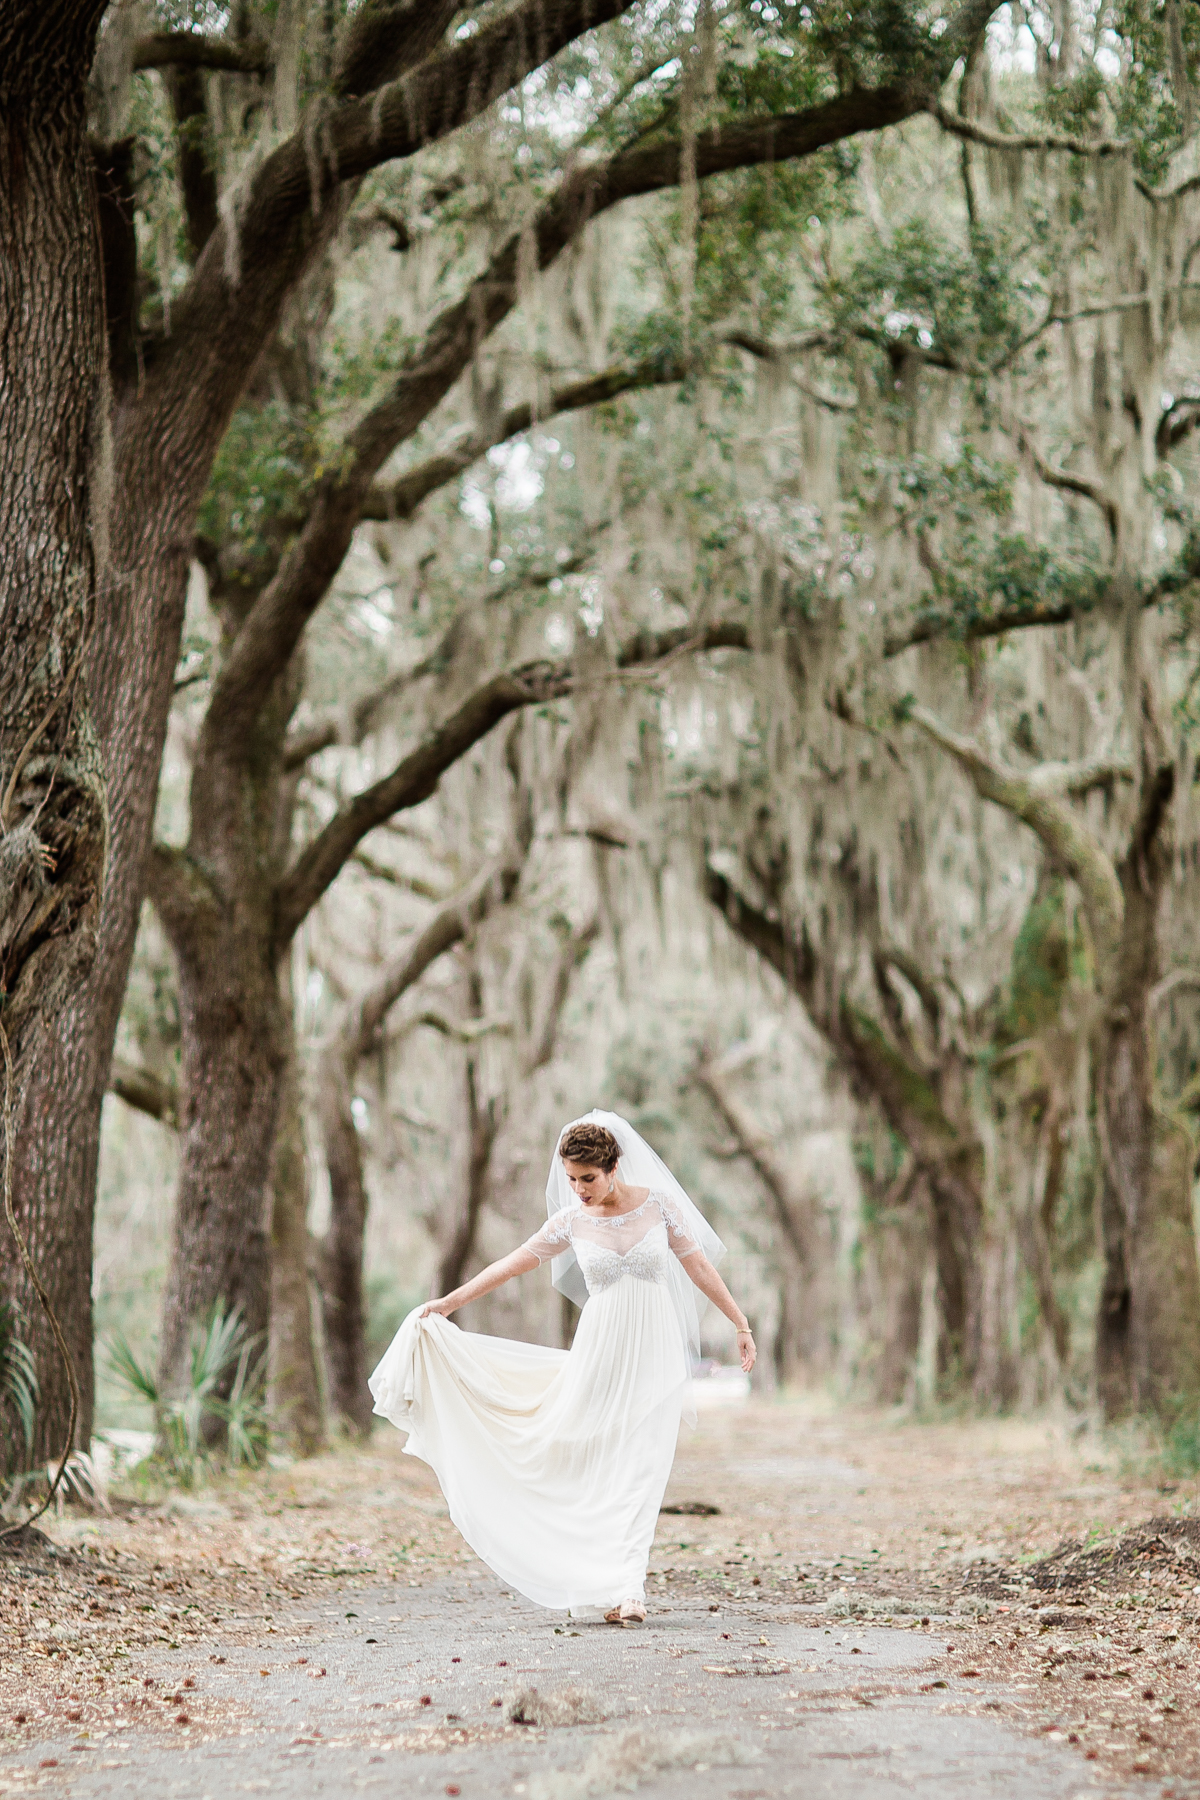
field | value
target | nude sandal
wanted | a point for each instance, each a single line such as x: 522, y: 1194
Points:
x: 629, y: 1612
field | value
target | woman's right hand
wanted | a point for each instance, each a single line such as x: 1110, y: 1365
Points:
x: 442, y: 1307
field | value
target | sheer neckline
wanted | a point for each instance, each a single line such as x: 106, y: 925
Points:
x: 615, y: 1218
x: 633, y: 1250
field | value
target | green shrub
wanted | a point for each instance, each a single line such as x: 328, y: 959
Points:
x: 222, y: 1344
x: 18, y: 1377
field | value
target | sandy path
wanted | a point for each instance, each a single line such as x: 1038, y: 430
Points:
x: 133, y: 1665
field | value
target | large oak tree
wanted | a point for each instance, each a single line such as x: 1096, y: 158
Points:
x: 396, y: 83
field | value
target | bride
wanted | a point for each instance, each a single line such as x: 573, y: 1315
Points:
x: 553, y: 1462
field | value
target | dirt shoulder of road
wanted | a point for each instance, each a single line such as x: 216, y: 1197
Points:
x: 1031, y: 1560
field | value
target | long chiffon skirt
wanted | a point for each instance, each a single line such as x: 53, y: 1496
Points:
x: 552, y: 1462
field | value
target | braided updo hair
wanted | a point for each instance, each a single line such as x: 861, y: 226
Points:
x: 594, y: 1145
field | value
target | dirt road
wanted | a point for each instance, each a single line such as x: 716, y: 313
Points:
x: 862, y: 1611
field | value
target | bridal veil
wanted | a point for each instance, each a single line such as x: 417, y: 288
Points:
x: 640, y: 1166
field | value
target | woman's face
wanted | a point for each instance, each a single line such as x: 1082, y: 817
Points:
x: 589, y: 1183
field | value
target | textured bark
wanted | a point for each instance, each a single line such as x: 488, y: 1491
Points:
x: 130, y: 673
x: 54, y: 495
x: 235, y: 1049
x: 54, y: 498
x: 216, y: 901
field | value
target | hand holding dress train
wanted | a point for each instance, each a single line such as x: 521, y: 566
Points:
x: 553, y: 1463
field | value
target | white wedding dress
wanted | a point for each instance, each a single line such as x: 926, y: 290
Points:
x: 553, y: 1462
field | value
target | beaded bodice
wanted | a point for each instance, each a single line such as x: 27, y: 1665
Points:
x: 636, y: 1244
x: 644, y: 1261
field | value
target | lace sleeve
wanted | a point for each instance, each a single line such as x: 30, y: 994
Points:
x: 678, y: 1236
x: 553, y: 1237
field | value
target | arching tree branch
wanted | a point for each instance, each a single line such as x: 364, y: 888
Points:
x: 454, y: 920
x: 195, y: 50
x: 416, y: 777
x: 277, y: 618
x: 1038, y: 800
x: 1068, y: 483
x: 755, y: 1146
x: 978, y: 623
x: 232, y: 303
x: 400, y: 499
x: 971, y: 131
x: 144, y: 1091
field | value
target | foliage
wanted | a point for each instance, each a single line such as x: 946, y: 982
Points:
x: 225, y: 1397
x: 18, y: 1377
x: 1181, y: 1447
x: 388, y: 1305
x: 258, y: 483
x: 1147, y: 103
x: 963, y: 301
x: 1041, y: 966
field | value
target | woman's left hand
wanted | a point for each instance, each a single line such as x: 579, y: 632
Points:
x: 443, y: 1307
x: 746, y: 1350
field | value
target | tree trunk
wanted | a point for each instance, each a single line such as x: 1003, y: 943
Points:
x: 898, y: 1252
x: 341, y: 1256
x: 130, y: 673
x: 235, y: 1047
x: 55, y: 491
x: 927, y: 1114
x: 483, y: 1123
x: 54, y: 1174
x: 926, y: 1111
x: 295, y: 1392
x: 1049, y: 1163
x: 1148, y: 1320
x: 958, y: 1245
x: 797, y: 1266
x: 55, y: 485
x: 217, y: 903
